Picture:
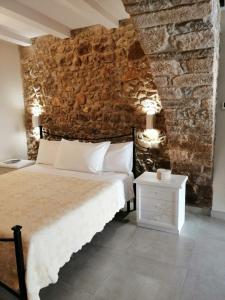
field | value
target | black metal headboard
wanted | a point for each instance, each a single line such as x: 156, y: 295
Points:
x: 130, y: 136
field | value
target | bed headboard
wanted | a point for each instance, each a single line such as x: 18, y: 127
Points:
x: 44, y: 133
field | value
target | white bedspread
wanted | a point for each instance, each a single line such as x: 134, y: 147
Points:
x: 63, y: 226
x: 126, y: 180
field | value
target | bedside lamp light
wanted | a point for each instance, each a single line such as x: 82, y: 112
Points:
x: 36, y: 124
x: 149, y: 121
x: 35, y: 121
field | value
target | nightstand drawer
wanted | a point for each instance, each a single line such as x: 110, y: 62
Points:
x: 159, y: 218
x: 158, y: 205
x: 156, y: 193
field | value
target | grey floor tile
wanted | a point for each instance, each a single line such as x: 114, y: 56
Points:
x: 5, y: 295
x: 200, y: 286
x: 191, y: 226
x: 123, y: 284
x: 162, y: 246
x: 211, y: 228
x: 116, y: 236
x: 209, y: 257
x: 61, y: 291
x: 89, y: 276
x: 128, y: 286
x: 166, y: 273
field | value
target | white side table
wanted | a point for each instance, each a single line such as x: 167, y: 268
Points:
x: 14, y: 164
x: 161, y: 204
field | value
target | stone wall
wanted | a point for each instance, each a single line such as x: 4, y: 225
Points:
x: 92, y: 84
x: 181, y: 40
x: 95, y: 83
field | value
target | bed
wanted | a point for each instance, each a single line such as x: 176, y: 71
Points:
x: 60, y: 212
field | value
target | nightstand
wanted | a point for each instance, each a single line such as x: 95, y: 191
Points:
x: 13, y: 165
x: 161, y: 203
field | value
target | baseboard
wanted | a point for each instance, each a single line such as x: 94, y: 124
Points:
x: 199, y: 210
x: 218, y: 214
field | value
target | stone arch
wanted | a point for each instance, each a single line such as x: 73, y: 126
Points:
x: 181, y: 40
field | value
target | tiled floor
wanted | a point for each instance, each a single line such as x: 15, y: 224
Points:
x: 127, y: 262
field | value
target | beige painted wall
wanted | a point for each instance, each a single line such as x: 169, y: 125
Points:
x: 12, y: 132
x: 219, y: 167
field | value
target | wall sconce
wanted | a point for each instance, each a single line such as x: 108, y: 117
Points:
x: 37, y: 128
x: 149, y: 121
x: 151, y: 105
x: 151, y: 138
x: 36, y: 110
x: 35, y: 121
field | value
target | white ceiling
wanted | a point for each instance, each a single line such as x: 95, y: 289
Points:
x: 21, y: 20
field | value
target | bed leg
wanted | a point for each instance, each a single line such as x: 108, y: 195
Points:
x: 128, y: 206
x: 20, y: 261
x: 135, y: 204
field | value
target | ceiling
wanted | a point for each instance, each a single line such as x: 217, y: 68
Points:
x: 21, y: 20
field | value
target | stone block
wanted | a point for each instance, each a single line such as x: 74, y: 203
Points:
x: 160, y: 81
x: 185, y: 2
x: 154, y: 40
x: 138, y: 7
x: 192, y: 26
x: 161, y: 4
x: 192, y: 41
x: 170, y: 93
x: 192, y: 80
x: 208, y: 103
x: 179, y: 155
x: 203, y: 92
x: 175, y: 15
x: 198, y: 65
x: 165, y: 67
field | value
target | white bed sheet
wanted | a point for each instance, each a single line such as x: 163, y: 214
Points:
x: 125, y: 179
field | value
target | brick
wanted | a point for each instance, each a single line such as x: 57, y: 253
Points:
x: 154, y: 40
x: 192, y: 41
x: 191, y: 80
x: 138, y: 7
x: 170, y: 93
x: 203, y: 92
x: 165, y: 67
x: 174, y: 15
x: 199, y: 65
x: 160, y: 81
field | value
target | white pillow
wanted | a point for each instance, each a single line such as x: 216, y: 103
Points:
x: 82, y: 157
x: 47, y: 152
x: 119, y: 158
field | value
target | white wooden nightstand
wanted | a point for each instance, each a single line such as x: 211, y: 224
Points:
x: 161, y: 204
x: 6, y: 166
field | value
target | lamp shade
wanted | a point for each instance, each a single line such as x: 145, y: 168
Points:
x: 149, y: 121
x: 35, y: 121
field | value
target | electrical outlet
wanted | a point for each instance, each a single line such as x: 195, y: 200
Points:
x: 223, y: 106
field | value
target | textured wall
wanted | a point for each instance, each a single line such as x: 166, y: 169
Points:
x: 181, y: 40
x: 96, y: 81
x: 91, y: 84
x: 12, y: 130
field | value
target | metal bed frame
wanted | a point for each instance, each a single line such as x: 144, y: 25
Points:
x: 17, y: 236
